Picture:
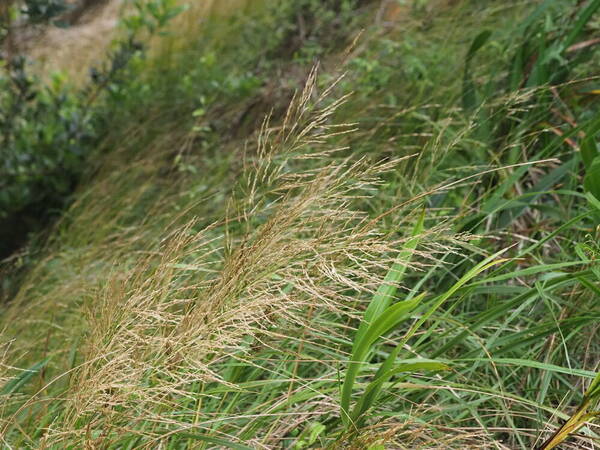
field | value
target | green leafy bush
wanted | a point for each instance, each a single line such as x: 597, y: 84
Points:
x: 47, y: 130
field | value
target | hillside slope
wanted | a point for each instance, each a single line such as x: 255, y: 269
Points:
x: 326, y: 224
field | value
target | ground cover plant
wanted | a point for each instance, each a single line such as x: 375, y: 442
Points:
x: 49, y: 129
x: 325, y: 224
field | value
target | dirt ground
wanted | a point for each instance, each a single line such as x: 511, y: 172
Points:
x: 75, y: 48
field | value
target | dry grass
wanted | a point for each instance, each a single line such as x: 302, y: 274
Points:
x: 156, y: 323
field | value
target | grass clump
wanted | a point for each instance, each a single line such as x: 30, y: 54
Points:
x: 255, y: 265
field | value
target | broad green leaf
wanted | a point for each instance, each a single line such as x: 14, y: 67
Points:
x: 386, y: 291
x: 392, y: 316
x: 378, y: 305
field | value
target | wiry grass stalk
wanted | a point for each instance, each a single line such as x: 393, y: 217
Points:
x: 161, y: 325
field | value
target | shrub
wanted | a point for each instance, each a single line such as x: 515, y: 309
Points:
x: 47, y: 130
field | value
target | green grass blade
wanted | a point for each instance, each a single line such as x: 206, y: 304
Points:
x: 487, y: 263
x: 385, y: 293
x: 541, y: 187
x: 223, y: 443
x: 379, y: 303
x: 593, y: 392
x: 470, y: 98
x: 535, y: 15
x: 16, y: 383
x: 534, y: 270
x: 391, y: 318
x: 374, y: 388
x: 492, y: 314
x: 582, y: 21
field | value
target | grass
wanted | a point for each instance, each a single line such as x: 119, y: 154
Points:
x: 252, y: 264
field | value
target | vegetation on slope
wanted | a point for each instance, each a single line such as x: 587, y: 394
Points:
x: 395, y: 250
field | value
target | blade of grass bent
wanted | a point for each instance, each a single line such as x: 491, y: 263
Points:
x: 487, y: 263
x: 374, y: 388
x: 386, y: 291
x: 379, y: 303
x: 392, y: 317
